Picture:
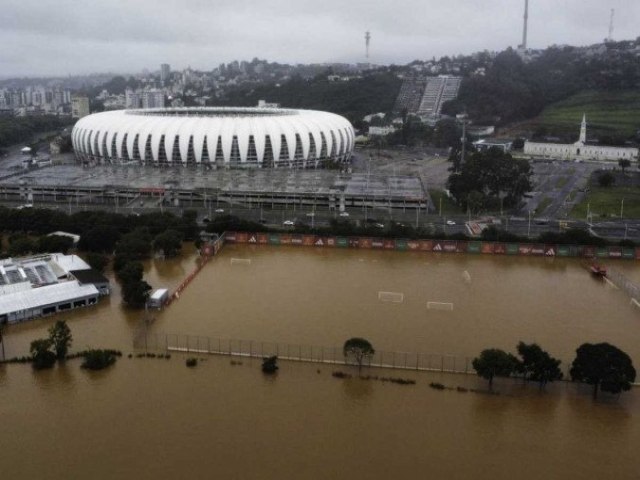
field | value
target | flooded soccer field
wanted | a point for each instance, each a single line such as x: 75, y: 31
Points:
x: 151, y: 418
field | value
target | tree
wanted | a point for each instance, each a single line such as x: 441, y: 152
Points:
x: 41, y: 354
x: 604, y: 366
x: 536, y: 365
x: 54, y: 243
x: 358, y: 348
x: 61, y: 338
x: 490, y: 177
x: 98, y: 359
x: 169, y: 241
x: 136, y: 293
x: 97, y: 261
x: 270, y: 364
x: 606, y: 179
x: 624, y: 163
x: 494, y: 362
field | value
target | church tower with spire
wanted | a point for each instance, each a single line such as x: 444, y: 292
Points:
x: 583, y: 130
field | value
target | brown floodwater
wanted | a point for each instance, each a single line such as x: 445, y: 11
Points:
x: 152, y: 418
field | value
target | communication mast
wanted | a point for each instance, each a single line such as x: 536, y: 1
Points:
x: 524, y: 29
x: 610, y: 37
x: 367, y: 39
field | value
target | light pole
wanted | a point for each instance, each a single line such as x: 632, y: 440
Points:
x: 621, y: 207
x: 529, y: 227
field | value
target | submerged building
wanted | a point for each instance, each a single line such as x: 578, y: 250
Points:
x: 43, y: 285
x: 580, y: 150
x: 215, y: 137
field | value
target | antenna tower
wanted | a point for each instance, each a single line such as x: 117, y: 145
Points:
x: 610, y: 37
x: 526, y: 21
x: 367, y: 39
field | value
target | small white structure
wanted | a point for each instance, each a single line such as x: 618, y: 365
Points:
x: 487, y: 144
x: 158, y: 298
x: 580, y: 149
x: 72, y: 236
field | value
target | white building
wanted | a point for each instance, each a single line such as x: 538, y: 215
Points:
x: 47, y: 284
x: 79, y: 106
x: 580, y: 149
x: 225, y: 137
x: 153, y: 99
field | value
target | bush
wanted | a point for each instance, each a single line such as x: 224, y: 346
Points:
x: 191, y: 362
x: 98, y: 359
x: 270, y: 364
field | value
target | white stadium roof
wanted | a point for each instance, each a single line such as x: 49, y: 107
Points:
x: 221, y: 136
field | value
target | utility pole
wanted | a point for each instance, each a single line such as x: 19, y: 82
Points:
x: 367, y: 40
x: 463, y: 117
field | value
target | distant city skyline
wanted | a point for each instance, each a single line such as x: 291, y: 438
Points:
x: 73, y: 37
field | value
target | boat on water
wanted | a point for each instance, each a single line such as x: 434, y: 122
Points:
x: 598, y: 270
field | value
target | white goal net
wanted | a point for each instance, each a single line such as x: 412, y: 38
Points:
x: 391, y: 297
x: 439, y: 306
x: 240, y: 261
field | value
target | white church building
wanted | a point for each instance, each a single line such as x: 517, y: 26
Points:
x: 579, y: 150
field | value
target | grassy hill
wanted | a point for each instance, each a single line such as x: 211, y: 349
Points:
x: 608, y: 113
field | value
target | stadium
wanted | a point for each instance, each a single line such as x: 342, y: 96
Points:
x: 215, y: 137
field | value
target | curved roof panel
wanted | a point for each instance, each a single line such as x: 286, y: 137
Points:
x: 92, y: 133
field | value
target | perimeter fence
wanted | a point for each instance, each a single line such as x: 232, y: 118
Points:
x: 204, y: 345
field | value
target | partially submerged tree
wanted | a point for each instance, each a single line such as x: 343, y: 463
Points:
x: 494, y: 362
x: 169, y: 241
x: 604, y: 366
x: 359, y: 349
x: 536, y: 365
x: 61, y: 338
x: 41, y: 354
x: 98, y: 359
x: 270, y: 364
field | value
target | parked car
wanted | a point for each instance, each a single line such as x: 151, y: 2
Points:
x: 450, y: 222
x: 288, y: 223
x: 219, y: 210
x: 343, y: 214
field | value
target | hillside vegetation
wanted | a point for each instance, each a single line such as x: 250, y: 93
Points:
x: 374, y: 92
x: 608, y: 113
x: 557, y: 85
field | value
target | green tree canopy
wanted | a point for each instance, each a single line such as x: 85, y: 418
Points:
x: 42, y: 355
x: 60, y: 338
x: 135, y: 294
x: 359, y: 349
x: 490, y: 176
x: 494, y: 362
x: 604, y: 366
x: 169, y: 241
x: 536, y: 365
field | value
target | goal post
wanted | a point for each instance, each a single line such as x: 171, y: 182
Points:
x: 391, y: 297
x: 240, y: 261
x: 440, y: 306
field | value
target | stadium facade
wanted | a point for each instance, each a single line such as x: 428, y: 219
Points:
x: 215, y: 137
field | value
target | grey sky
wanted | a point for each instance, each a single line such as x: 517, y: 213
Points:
x: 81, y: 36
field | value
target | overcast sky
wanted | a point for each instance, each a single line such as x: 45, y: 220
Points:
x: 60, y: 37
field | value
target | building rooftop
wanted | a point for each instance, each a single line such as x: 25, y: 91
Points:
x: 49, y: 295
x: 278, y: 180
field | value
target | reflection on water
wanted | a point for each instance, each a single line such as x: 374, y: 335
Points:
x: 152, y: 418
